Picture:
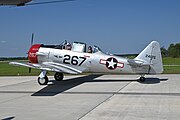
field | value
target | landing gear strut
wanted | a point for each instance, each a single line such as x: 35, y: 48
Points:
x: 43, y: 79
x: 58, y: 76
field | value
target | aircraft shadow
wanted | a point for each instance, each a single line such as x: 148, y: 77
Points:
x: 60, y: 86
x: 8, y: 118
x: 147, y: 81
x: 153, y: 80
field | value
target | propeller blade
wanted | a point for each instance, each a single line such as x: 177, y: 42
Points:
x: 32, y: 39
x: 29, y: 70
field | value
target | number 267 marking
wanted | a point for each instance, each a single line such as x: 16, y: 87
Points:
x: 73, y: 60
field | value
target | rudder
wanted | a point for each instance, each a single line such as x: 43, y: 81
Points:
x: 151, y: 56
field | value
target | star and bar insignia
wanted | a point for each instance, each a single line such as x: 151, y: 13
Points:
x: 111, y: 63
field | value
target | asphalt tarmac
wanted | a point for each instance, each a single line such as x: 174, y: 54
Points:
x: 92, y: 97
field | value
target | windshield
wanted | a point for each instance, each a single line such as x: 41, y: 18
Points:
x: 62, y: 45
x: 96, y: 49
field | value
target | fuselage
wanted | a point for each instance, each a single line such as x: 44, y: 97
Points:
x: 97, y: 62
x: 80, y: 60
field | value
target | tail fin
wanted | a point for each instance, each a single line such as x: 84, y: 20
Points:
x: 152, y: 55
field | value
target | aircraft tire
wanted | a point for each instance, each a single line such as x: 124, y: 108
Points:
x: 43, y: 81
x: 141, y: 79
x: 58, y: 76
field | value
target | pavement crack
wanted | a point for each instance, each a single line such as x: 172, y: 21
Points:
x: 105, y: 100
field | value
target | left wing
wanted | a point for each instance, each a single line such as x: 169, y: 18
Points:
x: 49, y: 66
x: 30, y: 65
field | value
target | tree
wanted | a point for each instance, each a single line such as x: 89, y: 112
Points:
x: 177, y: 48
x: 164, y: 52
x: 171, y: 50
x: 174, y: 50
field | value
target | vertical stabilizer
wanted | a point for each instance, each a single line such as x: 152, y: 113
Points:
x: 151, y: 56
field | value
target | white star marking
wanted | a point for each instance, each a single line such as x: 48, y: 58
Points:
x: 111, y: 64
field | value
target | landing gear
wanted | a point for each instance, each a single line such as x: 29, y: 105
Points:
x: 141, y: 79
x: 58, y: 76
x: 43, y: 79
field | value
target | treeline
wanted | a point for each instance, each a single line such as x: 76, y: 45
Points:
x: 12, y: 58
x: 172, y: 51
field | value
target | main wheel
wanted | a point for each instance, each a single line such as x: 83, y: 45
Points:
x: 141, y: 79
x: 43, y: 81
x: 58, y: 76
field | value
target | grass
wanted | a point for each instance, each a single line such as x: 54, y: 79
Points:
x: 171, y: 69
x: 10, y: 70
x: 171, y: 61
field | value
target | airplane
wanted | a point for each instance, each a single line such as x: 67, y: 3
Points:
x: 77, y: 59
x: 26, y: 2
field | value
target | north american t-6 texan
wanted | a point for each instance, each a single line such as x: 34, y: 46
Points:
x: 78, y: 58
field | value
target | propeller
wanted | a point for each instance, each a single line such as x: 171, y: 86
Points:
x: 32, y: 40
x: 29, y: 70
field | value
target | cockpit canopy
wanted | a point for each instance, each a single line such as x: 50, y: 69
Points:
x: 81, y: 47
x: 76, y: 47
x: 96, y: 49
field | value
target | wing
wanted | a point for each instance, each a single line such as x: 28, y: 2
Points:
x: 58, y: 67
x: 49, y: 66
x: 30, y: 65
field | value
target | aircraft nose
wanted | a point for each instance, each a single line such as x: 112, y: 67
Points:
x: 32, y: 57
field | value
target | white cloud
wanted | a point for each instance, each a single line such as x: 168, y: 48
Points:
x: 3, y: 41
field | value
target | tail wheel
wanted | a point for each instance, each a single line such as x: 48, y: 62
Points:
x: 58, y: 76
x: 43, y: 81
x: 141, y: 79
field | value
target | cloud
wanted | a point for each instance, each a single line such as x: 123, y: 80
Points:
x: 3, y: 41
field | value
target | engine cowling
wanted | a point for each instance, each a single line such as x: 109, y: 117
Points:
x: 32, y: 57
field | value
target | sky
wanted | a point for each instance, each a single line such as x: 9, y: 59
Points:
x: 116, y: 26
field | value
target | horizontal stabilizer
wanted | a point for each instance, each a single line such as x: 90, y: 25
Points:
x: 133, y: 62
